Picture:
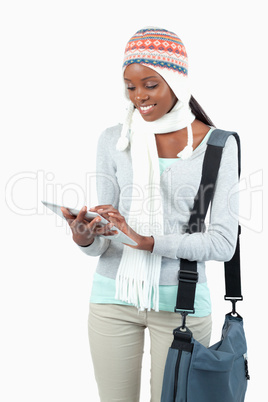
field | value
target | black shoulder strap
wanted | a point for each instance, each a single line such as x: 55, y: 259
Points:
x: 188, y: 275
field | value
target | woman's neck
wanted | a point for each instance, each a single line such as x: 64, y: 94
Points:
x: 170, y: 144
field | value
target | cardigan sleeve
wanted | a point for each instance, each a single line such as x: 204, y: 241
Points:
x: 98, y: 247
x: 219, y: 240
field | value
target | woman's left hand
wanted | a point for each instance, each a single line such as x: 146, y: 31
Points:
x: 113, y: 215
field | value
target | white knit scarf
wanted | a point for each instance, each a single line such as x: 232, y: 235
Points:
x: 137, y: 280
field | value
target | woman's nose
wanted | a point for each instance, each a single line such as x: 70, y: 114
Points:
x: 141, y: 96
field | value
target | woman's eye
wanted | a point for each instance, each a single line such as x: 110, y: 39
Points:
x: 151, y: 86
x: 131, y: 88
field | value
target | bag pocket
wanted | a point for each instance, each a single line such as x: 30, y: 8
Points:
x: 216, y: 375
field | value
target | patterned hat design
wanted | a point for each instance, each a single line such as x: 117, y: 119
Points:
x: 155, y: 47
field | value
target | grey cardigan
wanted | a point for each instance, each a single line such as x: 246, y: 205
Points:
x: 179, y: 185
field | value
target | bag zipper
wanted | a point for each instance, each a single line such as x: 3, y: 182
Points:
x: 177, y: 367
x: 246, y: 366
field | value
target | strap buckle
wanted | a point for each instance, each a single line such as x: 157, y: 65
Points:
x: 233, y: 300
x: 183, y: 310
x: 188, y: 276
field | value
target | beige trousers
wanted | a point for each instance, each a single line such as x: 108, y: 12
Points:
x: 116, y: 335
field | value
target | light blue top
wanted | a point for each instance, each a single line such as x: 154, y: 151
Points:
x: 103, y: 291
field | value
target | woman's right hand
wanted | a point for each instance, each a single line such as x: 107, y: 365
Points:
x: 84, y: 232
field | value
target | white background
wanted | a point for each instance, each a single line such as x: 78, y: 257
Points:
x: 60, y: 87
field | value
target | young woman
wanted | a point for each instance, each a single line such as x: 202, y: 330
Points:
x: 148, y: 173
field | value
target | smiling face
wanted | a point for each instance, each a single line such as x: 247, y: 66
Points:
x: 148, y: 91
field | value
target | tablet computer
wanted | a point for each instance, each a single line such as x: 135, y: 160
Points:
x: 120, y: 236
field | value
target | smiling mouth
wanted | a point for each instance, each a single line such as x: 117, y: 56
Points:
x: 146, y: 109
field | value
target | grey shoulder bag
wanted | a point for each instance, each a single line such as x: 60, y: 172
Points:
x: 194, y: 373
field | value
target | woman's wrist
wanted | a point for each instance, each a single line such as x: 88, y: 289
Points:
x: 147, y: 243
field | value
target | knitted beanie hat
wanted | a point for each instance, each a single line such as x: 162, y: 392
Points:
x: 164, y: 52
